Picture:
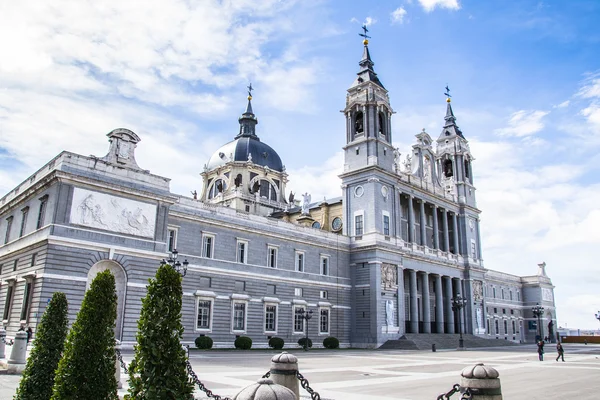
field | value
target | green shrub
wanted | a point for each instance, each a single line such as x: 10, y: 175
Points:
x: 301, y: 342
x: 276, y: 343
x: 204, y: 342
x: 49, y: 343
x: 158, y: 369
x: 243, y: 343
x: 331, y: 343
x: 87, y: 367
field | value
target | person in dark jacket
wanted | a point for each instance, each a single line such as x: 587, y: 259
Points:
x: 561, y: 352
x: 540, y: 350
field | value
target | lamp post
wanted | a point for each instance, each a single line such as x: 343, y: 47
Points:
x: 537, y: 312
x: 180, y: 267
x: 458, y: 304
x: 305, y: 315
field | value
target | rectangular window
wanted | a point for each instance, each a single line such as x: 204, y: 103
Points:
x: 358, y: 225
x: 510, y: 294
x: 386, y: 225
x: 242, y: 251
x: 204, y: 314
x: 504, y: 311
x: 272, y: 261
x: 495, y: 310
x: 494, y: 291
x: 496, y: 326
x: 323, y: 294
x: 26, y: 300
x: 298, y: 319
x: 518, y: 296
x: 324, y: 321
x: 488, y: 326
x: 298, y: 292
x: 514, y: 327
x: 473, y: 250
x: 172, y: 240
x: 240, y: 286
x: 9, y: 221
x: 239, y: 316
x: 8, y: 302
x: 24, y: 212
x: 270, y: 318
x: 271, y: 289
x: 300, y: 261
x: 505, y: 327
x: 324, y: 265
x: 41, y: 212
x: 502, y: 294
x: 15, y: 265
x: 205, y: 282
x: 207, y: 246
x: 33, y: 259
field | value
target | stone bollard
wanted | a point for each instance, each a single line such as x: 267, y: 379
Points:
x: 482, y: 381
x: 16, y: 362
x: 2, y: 342
x: 118, y: 364
x: 284, y: 368
x: 265, y: 389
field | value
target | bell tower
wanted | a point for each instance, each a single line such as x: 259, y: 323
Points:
x: 368, y: 119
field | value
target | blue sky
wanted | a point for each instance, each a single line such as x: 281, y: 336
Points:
x: 525, y: 80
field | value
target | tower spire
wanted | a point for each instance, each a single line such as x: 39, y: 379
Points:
x: 450, y: 127
x: 248, y: 120
x: 366, y: 73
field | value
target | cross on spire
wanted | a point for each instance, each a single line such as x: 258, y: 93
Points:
x: 447, y: 92
x: 364, y: 34
x: 250, y: 89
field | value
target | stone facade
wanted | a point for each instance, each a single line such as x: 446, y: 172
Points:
x: 384, y: 259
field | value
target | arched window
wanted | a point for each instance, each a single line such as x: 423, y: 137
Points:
x: 219, y: 186
x: 359, y: 123
x: 382, y: 130
x: 267, y: 190
x: 448, y: 168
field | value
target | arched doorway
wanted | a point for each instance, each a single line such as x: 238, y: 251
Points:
x: 121, y: 286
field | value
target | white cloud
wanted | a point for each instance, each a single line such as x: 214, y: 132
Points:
x: 592, y: 114
x: 370, y: 21
x: 591, y: 87
x: 564, y: 104
x: 430, y: 5
x: 524, y: 123
x: 398, y: 15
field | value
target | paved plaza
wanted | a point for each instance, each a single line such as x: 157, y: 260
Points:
x: 383, y: 375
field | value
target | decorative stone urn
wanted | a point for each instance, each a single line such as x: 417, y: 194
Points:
x: 284, y: 368
x: 265, y: 389
x: 482, y: 381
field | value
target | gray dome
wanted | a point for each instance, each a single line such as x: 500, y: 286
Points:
x: 240, y: 148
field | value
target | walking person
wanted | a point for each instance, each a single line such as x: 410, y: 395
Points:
x: 561, y: 352
x: 540, y: 350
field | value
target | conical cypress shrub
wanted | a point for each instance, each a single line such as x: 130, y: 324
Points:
x: 38, y: 376
x: 87, y: 369
x: 158, y: 370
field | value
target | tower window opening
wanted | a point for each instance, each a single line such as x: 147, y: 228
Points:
x: 357, y: 151
x: 218, y: 187
x: 267, y: 190
x: 359, y: 123
x: 467, y: 173
x: 448, y: 168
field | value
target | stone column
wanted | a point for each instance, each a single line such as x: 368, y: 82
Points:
x: 400, y: 302
x: 445, y: 227
x: 411, y: 219
x: 448, y: 304
x: 455, y: 231
x: 439, y: 305
x: 436, y: 238
x: 284, y: 367
x: 414, y: 308
x: 426, y: 303
x: 423, y: 223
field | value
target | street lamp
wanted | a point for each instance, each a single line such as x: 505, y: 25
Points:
x: 181, y: 268
x: 538, y: 311
x: 458, y: 304
x: 305, y: 315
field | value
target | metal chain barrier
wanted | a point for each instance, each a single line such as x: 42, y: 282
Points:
x: 8, y: 342
x: 120, y: 357
x: 194, y: 377
x: 466, y: 395
x: 306, y: 386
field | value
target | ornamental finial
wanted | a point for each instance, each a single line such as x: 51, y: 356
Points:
x: 447, y: 94
x: 364, y: 34
x: 250, y: 89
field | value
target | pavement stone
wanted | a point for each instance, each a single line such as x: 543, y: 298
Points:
x: 398, y: 375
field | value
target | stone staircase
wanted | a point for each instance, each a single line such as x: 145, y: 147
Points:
x: 423, y: 341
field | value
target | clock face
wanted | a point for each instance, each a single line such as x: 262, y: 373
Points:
x: 336, y: 224
x: 384, y: 191
x: 358, y: 191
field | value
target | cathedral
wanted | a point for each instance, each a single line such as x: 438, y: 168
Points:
x: 392, y: 255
